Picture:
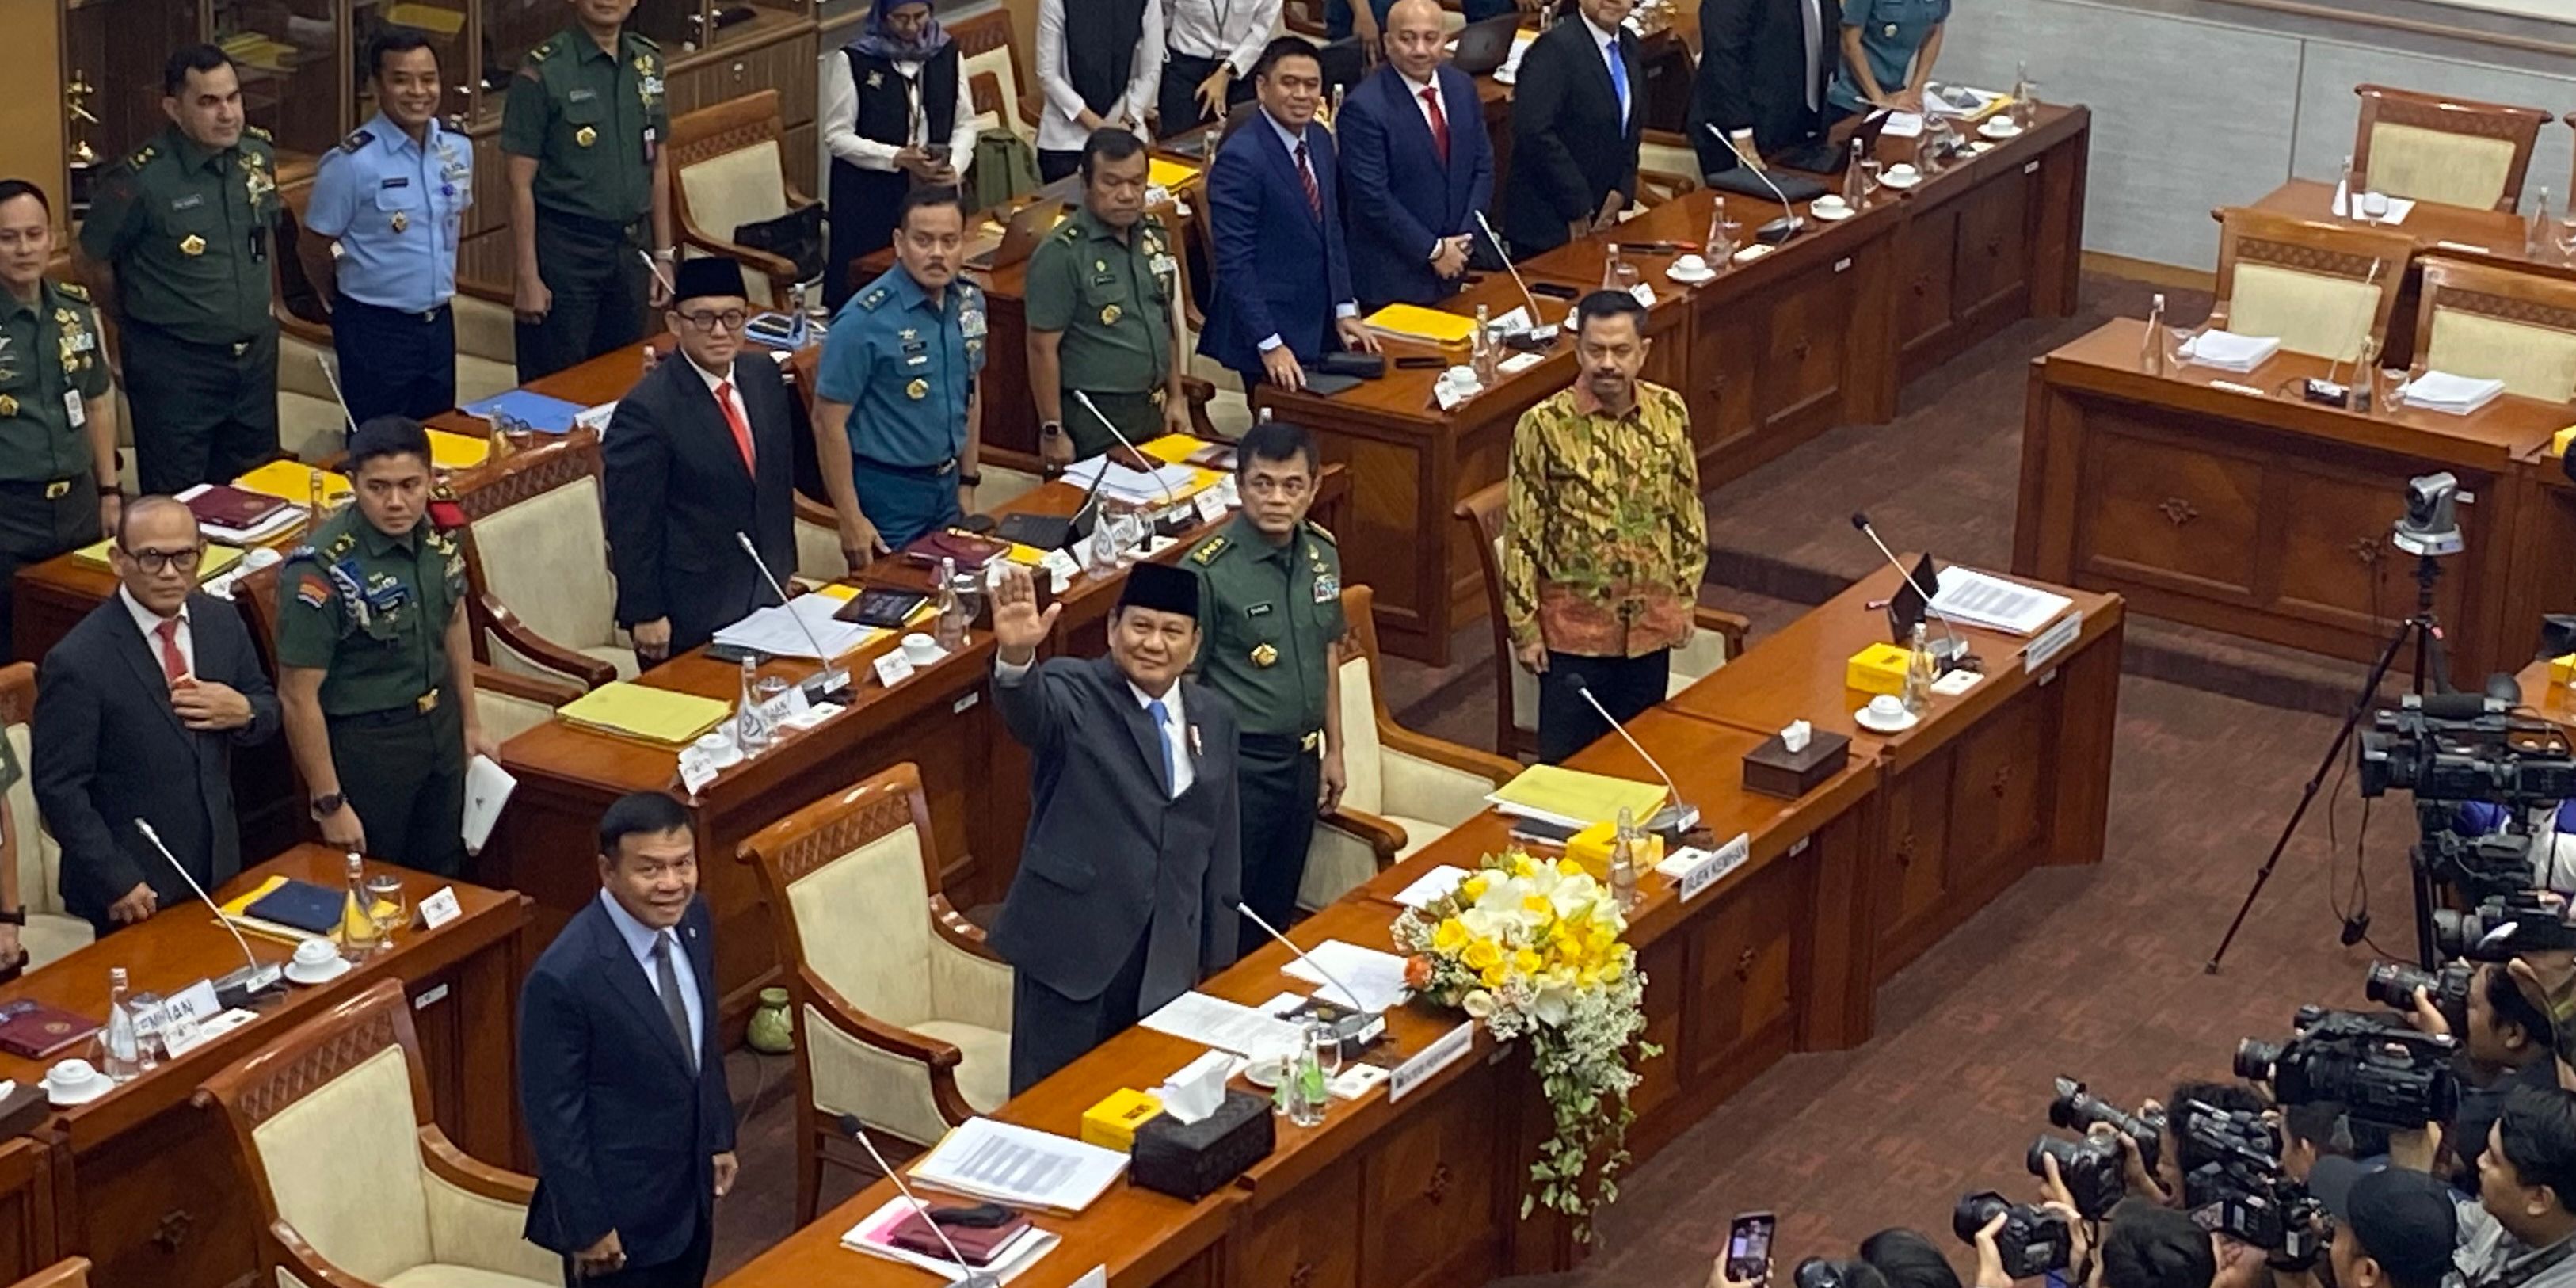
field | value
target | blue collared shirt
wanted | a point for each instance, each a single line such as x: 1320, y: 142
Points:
x: 398, y: 209
x: 905, y: 367
x: 639, y: 941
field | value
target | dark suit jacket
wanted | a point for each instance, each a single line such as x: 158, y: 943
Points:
x: 1270, y: 246
x: 1568, y: 150
x: 1401, y: 198
x: 625, y: 1135
x: 677, y: 492
x: 1753, y: 73
x: 1107, y: 847
x: 108, y: 750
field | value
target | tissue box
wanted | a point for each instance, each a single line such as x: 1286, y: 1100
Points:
x: 1880, y: 668
x: 1591, y: 848
x: 1190, y: 1161
x: 2562, y: 670
x: 1774, y: 770
x: 1112, y: 1123
x: 2562, y: 441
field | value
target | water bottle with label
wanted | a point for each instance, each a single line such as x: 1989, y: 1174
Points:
x: 1480, y: 349
x: 2151, y: 351
x: 950, y: 626
x: 1623, y: 861
x: 751, y: 720
x: 2536, y: 240
x: 120, y: 1043
x: 1305, y: 1078
x: 1920, y: 671
x: 359, y: 933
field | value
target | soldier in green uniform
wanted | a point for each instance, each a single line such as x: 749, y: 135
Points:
x: 1100, y: 312
x: 177, y: 248
x: 375, y: 668
x: 57, y: 422
x: 589, y: 189
x: 1270, y: 622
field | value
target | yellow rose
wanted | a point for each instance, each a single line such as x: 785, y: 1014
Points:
x: 1450, y: 936
x: 1569, y: 867
x: 1526, y: 962
x: 1481, y: 954
x: 1494, y: 976
x: 1472, y: 889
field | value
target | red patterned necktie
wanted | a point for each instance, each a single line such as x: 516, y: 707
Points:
x: 1306, y: 175
x: 1439, y: 123
x: 174, y: 666
x: 733, y: 417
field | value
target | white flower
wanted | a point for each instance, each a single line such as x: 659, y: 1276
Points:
x: 1478, y: 1003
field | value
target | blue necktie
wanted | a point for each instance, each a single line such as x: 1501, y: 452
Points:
x: 1162, y: 718
x: 1618, y: 79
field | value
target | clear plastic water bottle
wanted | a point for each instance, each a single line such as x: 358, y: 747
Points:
x: 1623, y: 861
x: 1305, y: 1079
x: 751, y: 720
x: 1480, y: 349
x: 1920, y: 670
x: 950, y: 627
x: 2536, y: 239
x: 121, y: 1042
x: 359, y: 933
x: 1854, y: 194
x: 2151, y: 351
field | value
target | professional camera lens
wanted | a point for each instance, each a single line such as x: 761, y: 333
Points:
x: 2032, y: 1242
x: 2393, y: 985
x: 2090, y: 1167
x: 2255, y: 1058
x: 2077, y: 1110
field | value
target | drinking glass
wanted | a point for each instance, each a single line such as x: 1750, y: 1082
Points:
x: 1869, y: 172
x: 2391, y: 381
x: 770, y: 691
x: 1620, y: 274
x: 2025, y: 109
x: 385, y: 903
x: 2562, y: 233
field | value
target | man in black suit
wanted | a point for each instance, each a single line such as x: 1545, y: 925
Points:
x: 1763, y: 69
x: 137, y: 712
x: 621, y: 1075
x: 1129, y: 879
x: 700, y: 449
x: 1578, y: 111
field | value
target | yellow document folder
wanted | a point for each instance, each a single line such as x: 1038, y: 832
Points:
x: 457, y: 451
x: 632, y: 710
x: 1413, y: 322
x: 293, y: 481
x: 1168, y: 175
x: 1573, y: 797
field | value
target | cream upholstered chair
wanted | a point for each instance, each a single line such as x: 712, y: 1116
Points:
x: 2321, y: 289
x: 1718, y: 638
x: 2454, y: 151
x: 729, y: 168
x: 544, y: 602
x: 356, y: 1185
x: 51, y: 932
x: 2491, y: 323
x: 903, y: 1015
x: 1405, y: 789
x: 990, y: 61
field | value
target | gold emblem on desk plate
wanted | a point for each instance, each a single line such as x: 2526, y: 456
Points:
x: 917, y: 390
x: 402, y: 220
x: 1264, y: 655
x: 192, y: 244
x: 585, y: 136
x: 1108, y: 315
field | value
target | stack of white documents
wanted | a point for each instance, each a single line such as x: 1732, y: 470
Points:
x: 775, y: 630
x: 1018, y: 1166
x: 2229, y: 351
x: 1983, y: 599
x: 2442, y: 391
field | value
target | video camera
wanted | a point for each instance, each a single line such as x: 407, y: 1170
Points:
x: 2466, y: 747
x: 2240, y: 1192
x: 2479, y: 867
x: 2462, y: 932
x: 2381, y: 1073
x: 2077, y: 1110
x: 2033, y: 1240
x: 2089, y: 1165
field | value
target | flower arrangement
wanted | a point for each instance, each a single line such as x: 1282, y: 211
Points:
x: 1530, y: 948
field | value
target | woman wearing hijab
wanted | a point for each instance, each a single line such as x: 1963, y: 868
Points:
x: 896, y: 112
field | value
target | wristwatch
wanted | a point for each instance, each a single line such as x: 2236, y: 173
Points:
x: 970, y: 480
x: 14, y: 916
x: 327, y: 805
x: 1050, y: 429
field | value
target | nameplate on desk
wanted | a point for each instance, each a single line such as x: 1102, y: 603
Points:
x: 697, y: 769
x: 1095, y: 1277
x: 440, y: 908
x: 194, y: 1004
x: 1060, y: 568
x: 185, y: 1036
x: 893, y: 668
x: 1843, y: 263
x: 1644, y: 295
x: 1211, y: 506
x: 1693, y: 870
x: 2235, y: 388
x: 1518, y: 363
x: 1444, y: 1051
x: 2045, y: 646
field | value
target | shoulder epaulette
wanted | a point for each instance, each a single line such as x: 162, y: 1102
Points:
x: 258, y: 133
x: 873, y: 298
x: 1066, y: 232
x: 644, y: 40
x: 72, y: 291
x: 542, y: 51
x: 1324, y: 532
x: 135, y: 159
x: 1207, y: 553
x: 357, y: 141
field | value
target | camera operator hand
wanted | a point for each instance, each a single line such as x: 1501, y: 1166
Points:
x: 2415, y: 1150
x: 2426, y: 1017
x: 2142, y: 1179
x: 1990, y: 1259
x: 1718, y: 1278
x: 2054, y: 1195
x: 2240, y: 1264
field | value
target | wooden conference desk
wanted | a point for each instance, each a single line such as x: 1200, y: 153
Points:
x: 1780, y: 954
x: 2268, y: 516
x: 1821, y: 332
x: 149, y: 1186
x: 2474, y: 234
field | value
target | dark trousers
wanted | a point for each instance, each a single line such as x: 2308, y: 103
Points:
x: 864, y: 204
x: 394, y: 363
x: 203, y: 413
x: 35, y: 527
x: 404, y: 773
x: 687, y: 1270
x: 597, y: 276
x: 1177, y: 98
x: 1138, y: 416
x: 1054, y: 165
x: 1050, y: 1030
x: 1626, y: 685
x: 905, y: 502
x: 1279, y: 783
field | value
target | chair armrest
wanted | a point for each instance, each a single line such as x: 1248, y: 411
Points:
x: 774, y: 267
x: 970, y: 987
x: 938, y: 1055
x: 809, y: 510
x: 298, y: 1258
x: 1198, y: 392
x: 312, y: 333
x: 1483, y: 764
x: 587, y: 671
x: 1730, y: 626
x: 472, y: 1175
x: 1665, y: 138
x: 1340, y: 857
x: 1383, y: 837
x: 530, y: 688
x: 963, y: 935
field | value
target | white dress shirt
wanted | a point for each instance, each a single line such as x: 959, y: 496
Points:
x: 149, y: 622
x: 841, y: 118
x: 1058, y: 130
x: 732, y: 393
x: 1346, y: 308
x: 1606, y: 43
x: 639, y: 941
x: 1175, y: 728
x: 1234, y: 30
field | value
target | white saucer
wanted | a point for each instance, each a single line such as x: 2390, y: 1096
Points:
x: 1891, y: 181
x: 99, y: 1085
x: 1999, y: 129
x: 1830, y: 214
x: 1264, y: 1074
x: 1863, y: 718
x: 1705, y: 275
x: 337, y: 967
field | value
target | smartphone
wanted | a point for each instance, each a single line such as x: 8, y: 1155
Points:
x: 734, y: 654
x: 1554, y: 291
x: 1419, y: 362
x: 1748, y: 1245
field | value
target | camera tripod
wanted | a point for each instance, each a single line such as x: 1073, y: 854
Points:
x: 2432, y: 664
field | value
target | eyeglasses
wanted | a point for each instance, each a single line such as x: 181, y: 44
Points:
x: 153, y: 561
x: 706, y: 320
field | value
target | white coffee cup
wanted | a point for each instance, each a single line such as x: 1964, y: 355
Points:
x: 719, y: 748
x: 1830, y: 203
x: 258, y: 557
x: 1886, y: 709
x: 1690, y: 265
x: 1459, y: 377
x: 2375, y: 204
x: 1902, y: 173
x: 70, y: 1077
x: 922, y: 649
x: 316, y: 954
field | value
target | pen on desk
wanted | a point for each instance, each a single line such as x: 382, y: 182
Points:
x: 1651, y: 248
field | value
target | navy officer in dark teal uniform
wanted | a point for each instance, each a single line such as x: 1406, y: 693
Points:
x: 897, y: 418
x: 394, y: 194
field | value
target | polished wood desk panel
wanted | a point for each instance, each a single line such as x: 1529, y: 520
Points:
x: 2013, y: 773
x: 2265, y: 516
x: 35, y: 1223
x: 152, y: 1179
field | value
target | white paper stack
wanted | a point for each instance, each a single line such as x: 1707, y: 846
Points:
x: 1019, y: 1166
x: 775, y: 630
x: 1134, y: 487
x: 874, y: 1236
x: 1957, y: 100
x: 1226, y: 1026
x: 1377, y: 978
x: 2442, y: 391
x: 2229, y: 351
x: 1983, y: 599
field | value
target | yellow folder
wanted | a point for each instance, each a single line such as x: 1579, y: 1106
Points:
x: 218, y: 558
x: 457, y: 451
x: 293, y: 481
x: 1413, y: 322
x: 639, y: 711
x: 1570, y: 795
x: 1168, y: 175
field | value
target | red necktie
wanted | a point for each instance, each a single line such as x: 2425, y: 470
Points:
x: 733, y: 417
x: 174, y: 667
x: 1306, y: 175
x: 1439, y: 123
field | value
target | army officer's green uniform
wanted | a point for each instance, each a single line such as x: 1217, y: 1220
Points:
x: 370, y: 611
x: 1269, y: 616
x: 1111, y: 297
x: 594, y: 121
x: 188, y: 231
x: 53, y: 374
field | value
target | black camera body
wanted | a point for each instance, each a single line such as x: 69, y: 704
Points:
x: 2479, y: 867
x: 2393, y: 985
x: 2461, y: 932
x: 2090, y: 1166
x: 2033, y: 1240
x: 2077, y: 1110
x: 2381, y: 1073
x: 2486, y: 756
x: 2275, y: 1214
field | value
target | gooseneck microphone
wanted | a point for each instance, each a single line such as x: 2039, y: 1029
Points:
x: 1952, y: 649
x: 831, y: 678
x: 1157, y: 475
x: 1497, y: 243
x: 1675, y: 818
x: 1360, y: 1026
x: 976, y: 1277
x: 255, y: 975
x: 1782, y: 228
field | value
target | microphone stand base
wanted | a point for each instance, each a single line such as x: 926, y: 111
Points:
x: 822, y: 687
x: 1779, y: 230
x: 237, y: 990
x: 1672, y: 821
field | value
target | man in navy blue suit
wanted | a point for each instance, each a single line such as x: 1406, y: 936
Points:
x: 1275, y: 206
x: 1418, y: 164
x: 621, y: 1079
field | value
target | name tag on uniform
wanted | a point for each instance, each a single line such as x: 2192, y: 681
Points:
x: 582, y: 95
x: 917, y: 360
x: 84, y: 342
x: 1162, y: 265
x: 75, y: 408
x: 971, y: 324
x: 652, y: 84
x: 1327, y: 588
x: 189, y: 202
x: 1257, y: 610
x: 399, y: 181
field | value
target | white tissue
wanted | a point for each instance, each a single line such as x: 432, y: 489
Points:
x: 1796, y: 735
x: 1195, y: 1090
